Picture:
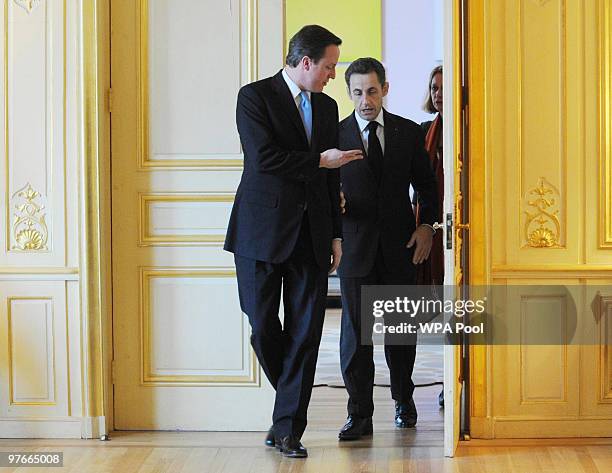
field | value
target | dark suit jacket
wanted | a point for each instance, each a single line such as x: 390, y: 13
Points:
x: 425, y: 126
x: 383, y: 211
x: 281, y: 175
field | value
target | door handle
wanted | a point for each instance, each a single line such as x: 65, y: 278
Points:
x: 448, y: 227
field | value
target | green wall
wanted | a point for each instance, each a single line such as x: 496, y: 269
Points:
x: 357, y: 22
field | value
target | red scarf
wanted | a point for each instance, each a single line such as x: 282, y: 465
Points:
x: 432, y: 270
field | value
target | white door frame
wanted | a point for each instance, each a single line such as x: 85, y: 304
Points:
x: 451, y: 51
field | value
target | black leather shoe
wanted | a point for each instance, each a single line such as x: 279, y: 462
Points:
x: 405, y: 414
x: 270, y: 439
x: 291, y: 447
x: 355, y: 428
x: 441, y: 398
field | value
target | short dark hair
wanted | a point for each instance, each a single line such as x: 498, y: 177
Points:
x: 365, y: 65
x: 311, y: 41
x: 428, y: 105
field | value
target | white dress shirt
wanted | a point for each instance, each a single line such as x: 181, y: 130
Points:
x: 380, y: 131
x: 295, y: 90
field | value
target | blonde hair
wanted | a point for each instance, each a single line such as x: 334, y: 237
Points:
x: 428, y: 105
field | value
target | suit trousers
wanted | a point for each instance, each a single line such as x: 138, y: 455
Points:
x: 356, y: 359
x: 287, y: 352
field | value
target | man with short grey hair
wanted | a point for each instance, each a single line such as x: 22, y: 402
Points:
x: 382, y: 243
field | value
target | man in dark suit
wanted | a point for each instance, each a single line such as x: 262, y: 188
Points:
x: 285, y: 226
x: 381, y: 243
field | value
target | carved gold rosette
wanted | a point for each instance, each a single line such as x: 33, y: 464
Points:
x: 28, y: 5
x: 542, y: 226
x: 29, y: 229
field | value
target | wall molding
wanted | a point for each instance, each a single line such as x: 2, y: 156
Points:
x: 29, y: 231
x: 542, y: 228
x: 605, y: 350
x: 29, y: 5
x: 50, y: 360
x: 605, y: 125
x: 553, y: 217
x: 553, y: 271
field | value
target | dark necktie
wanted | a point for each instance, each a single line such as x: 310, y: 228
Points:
x: 375, y: 152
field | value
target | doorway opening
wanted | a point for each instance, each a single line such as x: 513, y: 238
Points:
x: 430, y: 26
x: 173, y: 187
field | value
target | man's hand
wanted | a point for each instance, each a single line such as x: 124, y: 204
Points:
x: 336, y: 255
x: 342, y: 203
x: 423, y: 237
x: 334, y: 158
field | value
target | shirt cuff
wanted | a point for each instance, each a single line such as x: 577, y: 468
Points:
x: 337, y: 239
x: 428, y: 225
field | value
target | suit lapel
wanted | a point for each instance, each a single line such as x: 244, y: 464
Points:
x: 288, y: 104
x: 391, y: 132
x: 355, y: 135
x: 318, y: 119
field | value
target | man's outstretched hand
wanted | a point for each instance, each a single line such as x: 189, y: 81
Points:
x: 334, y: 158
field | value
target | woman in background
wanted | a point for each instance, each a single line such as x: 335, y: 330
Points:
x: 431, y: 271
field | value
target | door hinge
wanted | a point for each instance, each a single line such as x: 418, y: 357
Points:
x: 109, y: 100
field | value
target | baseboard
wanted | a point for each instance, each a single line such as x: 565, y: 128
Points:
x: 42, y: 428
x: 52, y: 428
x: 551, y: 428
x: 481, y: 428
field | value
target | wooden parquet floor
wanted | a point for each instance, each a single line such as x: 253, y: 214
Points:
x: 389, y: 450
